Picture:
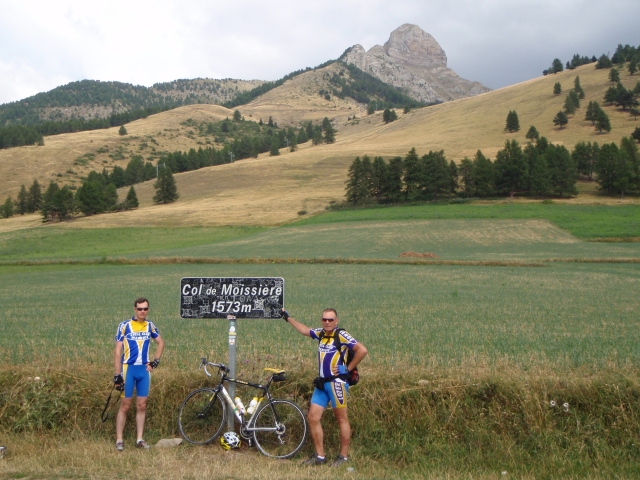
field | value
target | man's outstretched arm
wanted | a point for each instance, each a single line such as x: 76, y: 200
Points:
x: 303, y: 329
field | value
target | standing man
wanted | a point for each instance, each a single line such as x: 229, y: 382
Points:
x: 133, y: 367
x: 330, y: 387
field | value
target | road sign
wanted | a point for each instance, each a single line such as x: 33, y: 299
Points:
x: 259, y: 297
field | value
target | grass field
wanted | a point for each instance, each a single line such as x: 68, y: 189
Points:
x: 516, y: 231
x: 563, y: 316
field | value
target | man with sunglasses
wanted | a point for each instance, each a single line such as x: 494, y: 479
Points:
x: 330, y: 388
x: 133, y: 367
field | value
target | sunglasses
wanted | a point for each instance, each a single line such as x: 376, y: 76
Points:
x: 143, y: 309
x: 328, y: 319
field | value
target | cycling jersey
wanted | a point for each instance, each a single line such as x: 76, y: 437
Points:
x: 136, y: 337
x: 328, y: 354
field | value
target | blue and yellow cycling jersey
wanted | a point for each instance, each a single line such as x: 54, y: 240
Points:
x: 328, y: 354
x: 136, y: 337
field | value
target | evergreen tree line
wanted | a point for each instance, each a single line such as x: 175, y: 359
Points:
x: 622, y: 54
x: 85, y: 93
x: 19, y: 135
x: 363, y: 87
x: 539, y: 169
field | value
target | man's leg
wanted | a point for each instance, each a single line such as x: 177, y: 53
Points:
x: 314, y: 416
x: 141, y: 412
x: 121, y: 418
x: 345, y: 430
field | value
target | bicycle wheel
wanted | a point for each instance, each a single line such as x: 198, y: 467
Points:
x: 289, y: 429
x: 201, y: 416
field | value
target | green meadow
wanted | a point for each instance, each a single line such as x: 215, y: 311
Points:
x: 564, y: 316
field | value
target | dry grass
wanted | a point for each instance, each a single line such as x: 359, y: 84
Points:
x: 470, y: 421
x: 272, y: 190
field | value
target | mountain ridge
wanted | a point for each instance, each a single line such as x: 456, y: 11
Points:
x: 413, y: 61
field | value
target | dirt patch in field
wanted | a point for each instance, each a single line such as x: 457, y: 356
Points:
x: 418, y: 255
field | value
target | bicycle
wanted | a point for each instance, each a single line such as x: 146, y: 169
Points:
x: 278, y: 427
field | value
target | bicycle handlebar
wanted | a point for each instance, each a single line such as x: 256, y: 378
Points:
x: 220, y: 366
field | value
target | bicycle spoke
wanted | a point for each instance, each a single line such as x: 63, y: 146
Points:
x: 201, y: 416
x: 287, y: 429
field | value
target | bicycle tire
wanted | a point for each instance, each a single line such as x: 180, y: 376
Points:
x: 292, y: 433
x: 202, y: 416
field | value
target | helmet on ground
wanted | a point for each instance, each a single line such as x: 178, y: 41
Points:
x: 230, y: 441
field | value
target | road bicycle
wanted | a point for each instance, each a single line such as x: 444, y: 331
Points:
x: 277, y: 427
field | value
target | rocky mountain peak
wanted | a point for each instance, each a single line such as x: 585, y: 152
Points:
x: 413, y: 61
x: 410, y: 44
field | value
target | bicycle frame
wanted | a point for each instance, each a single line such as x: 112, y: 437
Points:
x: 245, y: 423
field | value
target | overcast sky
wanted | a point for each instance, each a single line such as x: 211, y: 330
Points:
x: 47, y: 43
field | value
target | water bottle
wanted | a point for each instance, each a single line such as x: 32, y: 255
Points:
x: 240, y: 405
x: 252, y: 406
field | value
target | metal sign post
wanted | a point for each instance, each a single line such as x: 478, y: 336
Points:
x: 232, y: 298
x: 232, y: 365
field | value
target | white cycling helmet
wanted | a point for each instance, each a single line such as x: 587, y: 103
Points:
x: 230, y: 441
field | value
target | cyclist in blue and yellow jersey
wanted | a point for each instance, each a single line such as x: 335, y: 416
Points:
x: 330, y: 388
x: 133, y: 367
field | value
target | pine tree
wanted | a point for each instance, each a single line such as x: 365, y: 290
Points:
x: 539, y: 176
x: 563, y: 170
x: 393, y: 182
x: 454, y: 176
x: 7, y: 208
x: 532, y: 134
x: 275, y: 147
x: 35, y: 197
x: 569, y: 105
x: 633, y: 66
x: 584, y: 157
x: 329, y: 135
x: 237, y: 116
x: 630, y: 149
x: 466, y: 172
x: 556, y: 66
x: 132, y: 199
x: 511, y: 168
x: 436, y: 177
x: 614, y: 75
x: 166, y: 190
x: 614, y: 169
x: 302, y: 136
x: 367, y: 172
x: 122, y: 131
x: 22, y: 202
x: 557, y: 88
x: 592, y: 112
x: 110, y: 197
x: 484, y: 175
x: 413, y: 174
x: 578, y: 88
x: 90, y: 198
x: 46, y: 207
x: 574, y: 96
x: 560, y: 119
x: 356, y: 184
x: 602, y: 122
x: 389, y: 115
x: 317, y: 139
x: 513, y: 124
x: 636, y: 134
x: 379, y: 174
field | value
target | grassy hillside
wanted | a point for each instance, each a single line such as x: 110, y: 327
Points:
x: 272, y: 190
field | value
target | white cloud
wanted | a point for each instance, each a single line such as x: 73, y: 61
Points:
x: 497, y: 42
